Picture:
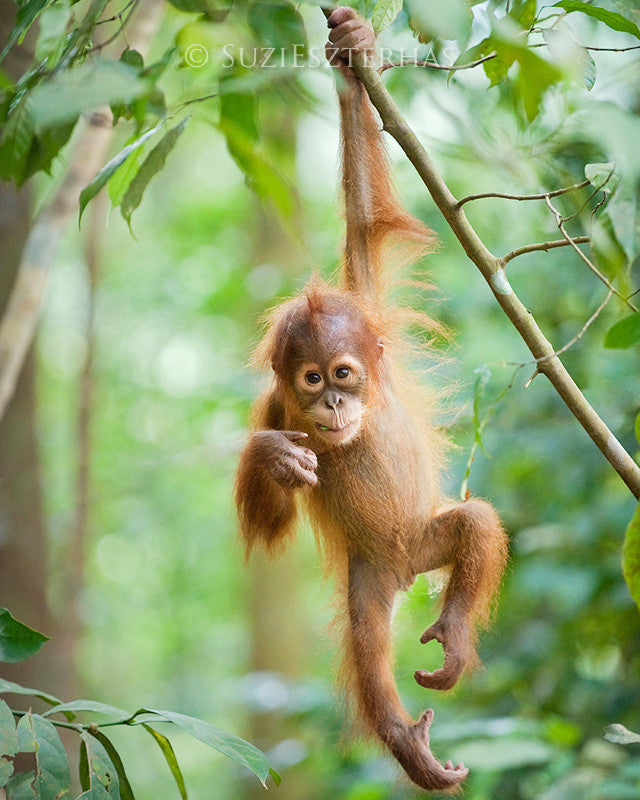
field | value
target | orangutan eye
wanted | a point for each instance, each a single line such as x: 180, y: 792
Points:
x: 342, y: 372
x: 313, y: 377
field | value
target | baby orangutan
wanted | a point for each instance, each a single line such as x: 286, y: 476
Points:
x: 336, y: 431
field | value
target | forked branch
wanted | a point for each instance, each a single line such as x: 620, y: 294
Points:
x: 491, y: 268
x: 560, y: 220
x: 541, y: 196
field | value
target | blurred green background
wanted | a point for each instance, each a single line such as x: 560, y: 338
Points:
x: 148, y: 597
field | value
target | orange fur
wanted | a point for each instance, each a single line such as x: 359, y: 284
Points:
x: 338, y: 429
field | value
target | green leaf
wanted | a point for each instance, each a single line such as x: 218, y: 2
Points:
x: 102, y: 772
x: 96, y: 792
x: 384, y: 12
x: 51, y: 32
x: 479, y: 419
x: 631, y: 556
x: 15, y: 688
x: 637, y: 429
x: 126, y: 792
x: 84, y: 88
x: 238, y: 124
x: 45, y: 147
x: 450, y: 20
x: 52, y: 777
x: 21, y: 787
x: 133, y: 58
x: 524, y: 13
x: 17, y: 135
x: 277, y: 779
x: 495, y: 69
x: 602, y: 176
x: 170, y: 757
x: 8, y: 742
x: 238, y: 112
x: 625, y: 333
x: 214, y: 10
x: 110, y: 168
x: 152, y: 164
x: 91, y: 706
x: 265, y: 180
x: 119, y: 182
x: 612, y: 19
x: 6, y: 84
x: 574, y: 59
x: 154, y: 71
x: 589, y: 69
x: 27, y: 14
x: 607, y: 250
x: 278, y: 25
x: 6, y: 771
x: 620, y: 735
x: 83, y: 767
x: 17, y: 641
x: 535, y: 76
x: 8, y: 735
x: 233, y: 747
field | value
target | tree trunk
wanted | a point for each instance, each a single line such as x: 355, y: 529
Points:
x: 23, y: 536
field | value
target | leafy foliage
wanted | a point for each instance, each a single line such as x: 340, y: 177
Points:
x: 152, y: 164
x: 611, y: 19
x: 101, y: 770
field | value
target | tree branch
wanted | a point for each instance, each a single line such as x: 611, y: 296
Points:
x: 18, y: 324
x: 434, y: 64
x: 541, y: 196
x: 546, y: 246
x: 491, y: 269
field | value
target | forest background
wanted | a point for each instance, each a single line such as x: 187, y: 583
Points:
x: 117, y: 534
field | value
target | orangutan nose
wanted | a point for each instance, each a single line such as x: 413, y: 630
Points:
x: 332, y: 400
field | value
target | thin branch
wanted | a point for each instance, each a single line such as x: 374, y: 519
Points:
x: 560, y: 222
x: 599, y: 204
x: 595, y: 191
x: 589, y: 47
x: 540, y: 196
x: 578, y: 335
x: 74, y: 726
x: 193, y: 100
x: 586, y: 203
x: 434, y: 64
x: 117, y: 16
x: 491, y: 269
x: 546, y: 246
x: 85, y: 726
x: 123, y: 24
x: 612, y: 49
